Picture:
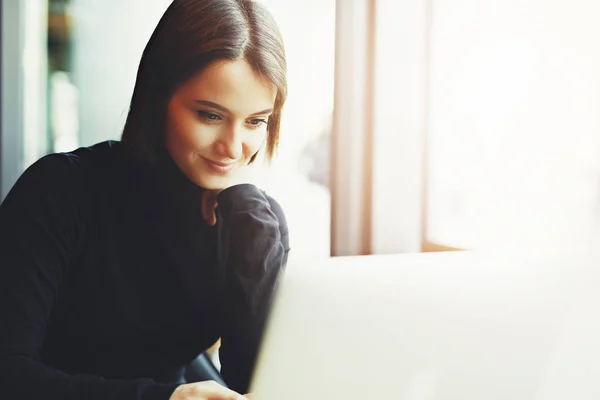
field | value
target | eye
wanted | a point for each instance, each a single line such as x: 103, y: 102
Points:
x: 257, y: 122
x: 208, y: 116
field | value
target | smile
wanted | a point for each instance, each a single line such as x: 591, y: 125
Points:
x: 220, y: 168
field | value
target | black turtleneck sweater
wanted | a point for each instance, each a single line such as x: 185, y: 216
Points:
x: 111, y: 281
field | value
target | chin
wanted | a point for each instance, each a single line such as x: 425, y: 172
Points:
x: 209, y: 182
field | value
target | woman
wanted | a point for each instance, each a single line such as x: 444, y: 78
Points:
x: 121, y: 262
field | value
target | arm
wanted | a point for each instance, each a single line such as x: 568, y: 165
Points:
x: 254, y: 245
x: 39, y: 232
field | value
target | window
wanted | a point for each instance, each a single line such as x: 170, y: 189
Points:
x: 479, y: 123
x: 513, y: 140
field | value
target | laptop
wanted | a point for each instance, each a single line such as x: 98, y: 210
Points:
x: 437, y: 326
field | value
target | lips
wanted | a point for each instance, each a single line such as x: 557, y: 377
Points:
x: 222, y: 164
x: 218, y: 167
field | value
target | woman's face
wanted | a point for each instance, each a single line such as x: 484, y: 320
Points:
x: 217, y: 121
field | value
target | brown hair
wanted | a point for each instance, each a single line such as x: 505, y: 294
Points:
x: 191, y: 35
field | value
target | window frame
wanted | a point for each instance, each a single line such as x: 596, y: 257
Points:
x: 377, y: 208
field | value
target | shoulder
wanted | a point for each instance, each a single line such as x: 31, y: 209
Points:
x: 61, y: 175
x: 98, y: 155
x: 103, y: 154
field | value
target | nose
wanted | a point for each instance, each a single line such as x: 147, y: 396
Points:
x: 230, y: 143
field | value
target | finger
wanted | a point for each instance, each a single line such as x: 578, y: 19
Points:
x: 204, y: 206
x: 213, y: 214
x: 208, y: 207
x: 211, y: 218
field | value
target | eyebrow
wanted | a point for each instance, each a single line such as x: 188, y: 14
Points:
x: 225, y: 110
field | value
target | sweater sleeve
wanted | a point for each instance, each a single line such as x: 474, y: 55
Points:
x: 253, y: 248
x: 40, y: 228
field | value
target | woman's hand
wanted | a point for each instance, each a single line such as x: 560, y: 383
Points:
x: 207, y: 390
x: 242, y: 175
x: 209, y: 204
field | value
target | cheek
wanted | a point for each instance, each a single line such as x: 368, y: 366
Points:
x: 254, y: 142
x: 187, y: 133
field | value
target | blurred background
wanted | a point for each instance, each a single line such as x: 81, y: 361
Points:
x: 414, y: 125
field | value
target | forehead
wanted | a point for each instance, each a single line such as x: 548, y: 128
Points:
x: 232, y: 84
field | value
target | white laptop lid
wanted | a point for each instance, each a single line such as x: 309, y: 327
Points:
x: 443, y: 326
